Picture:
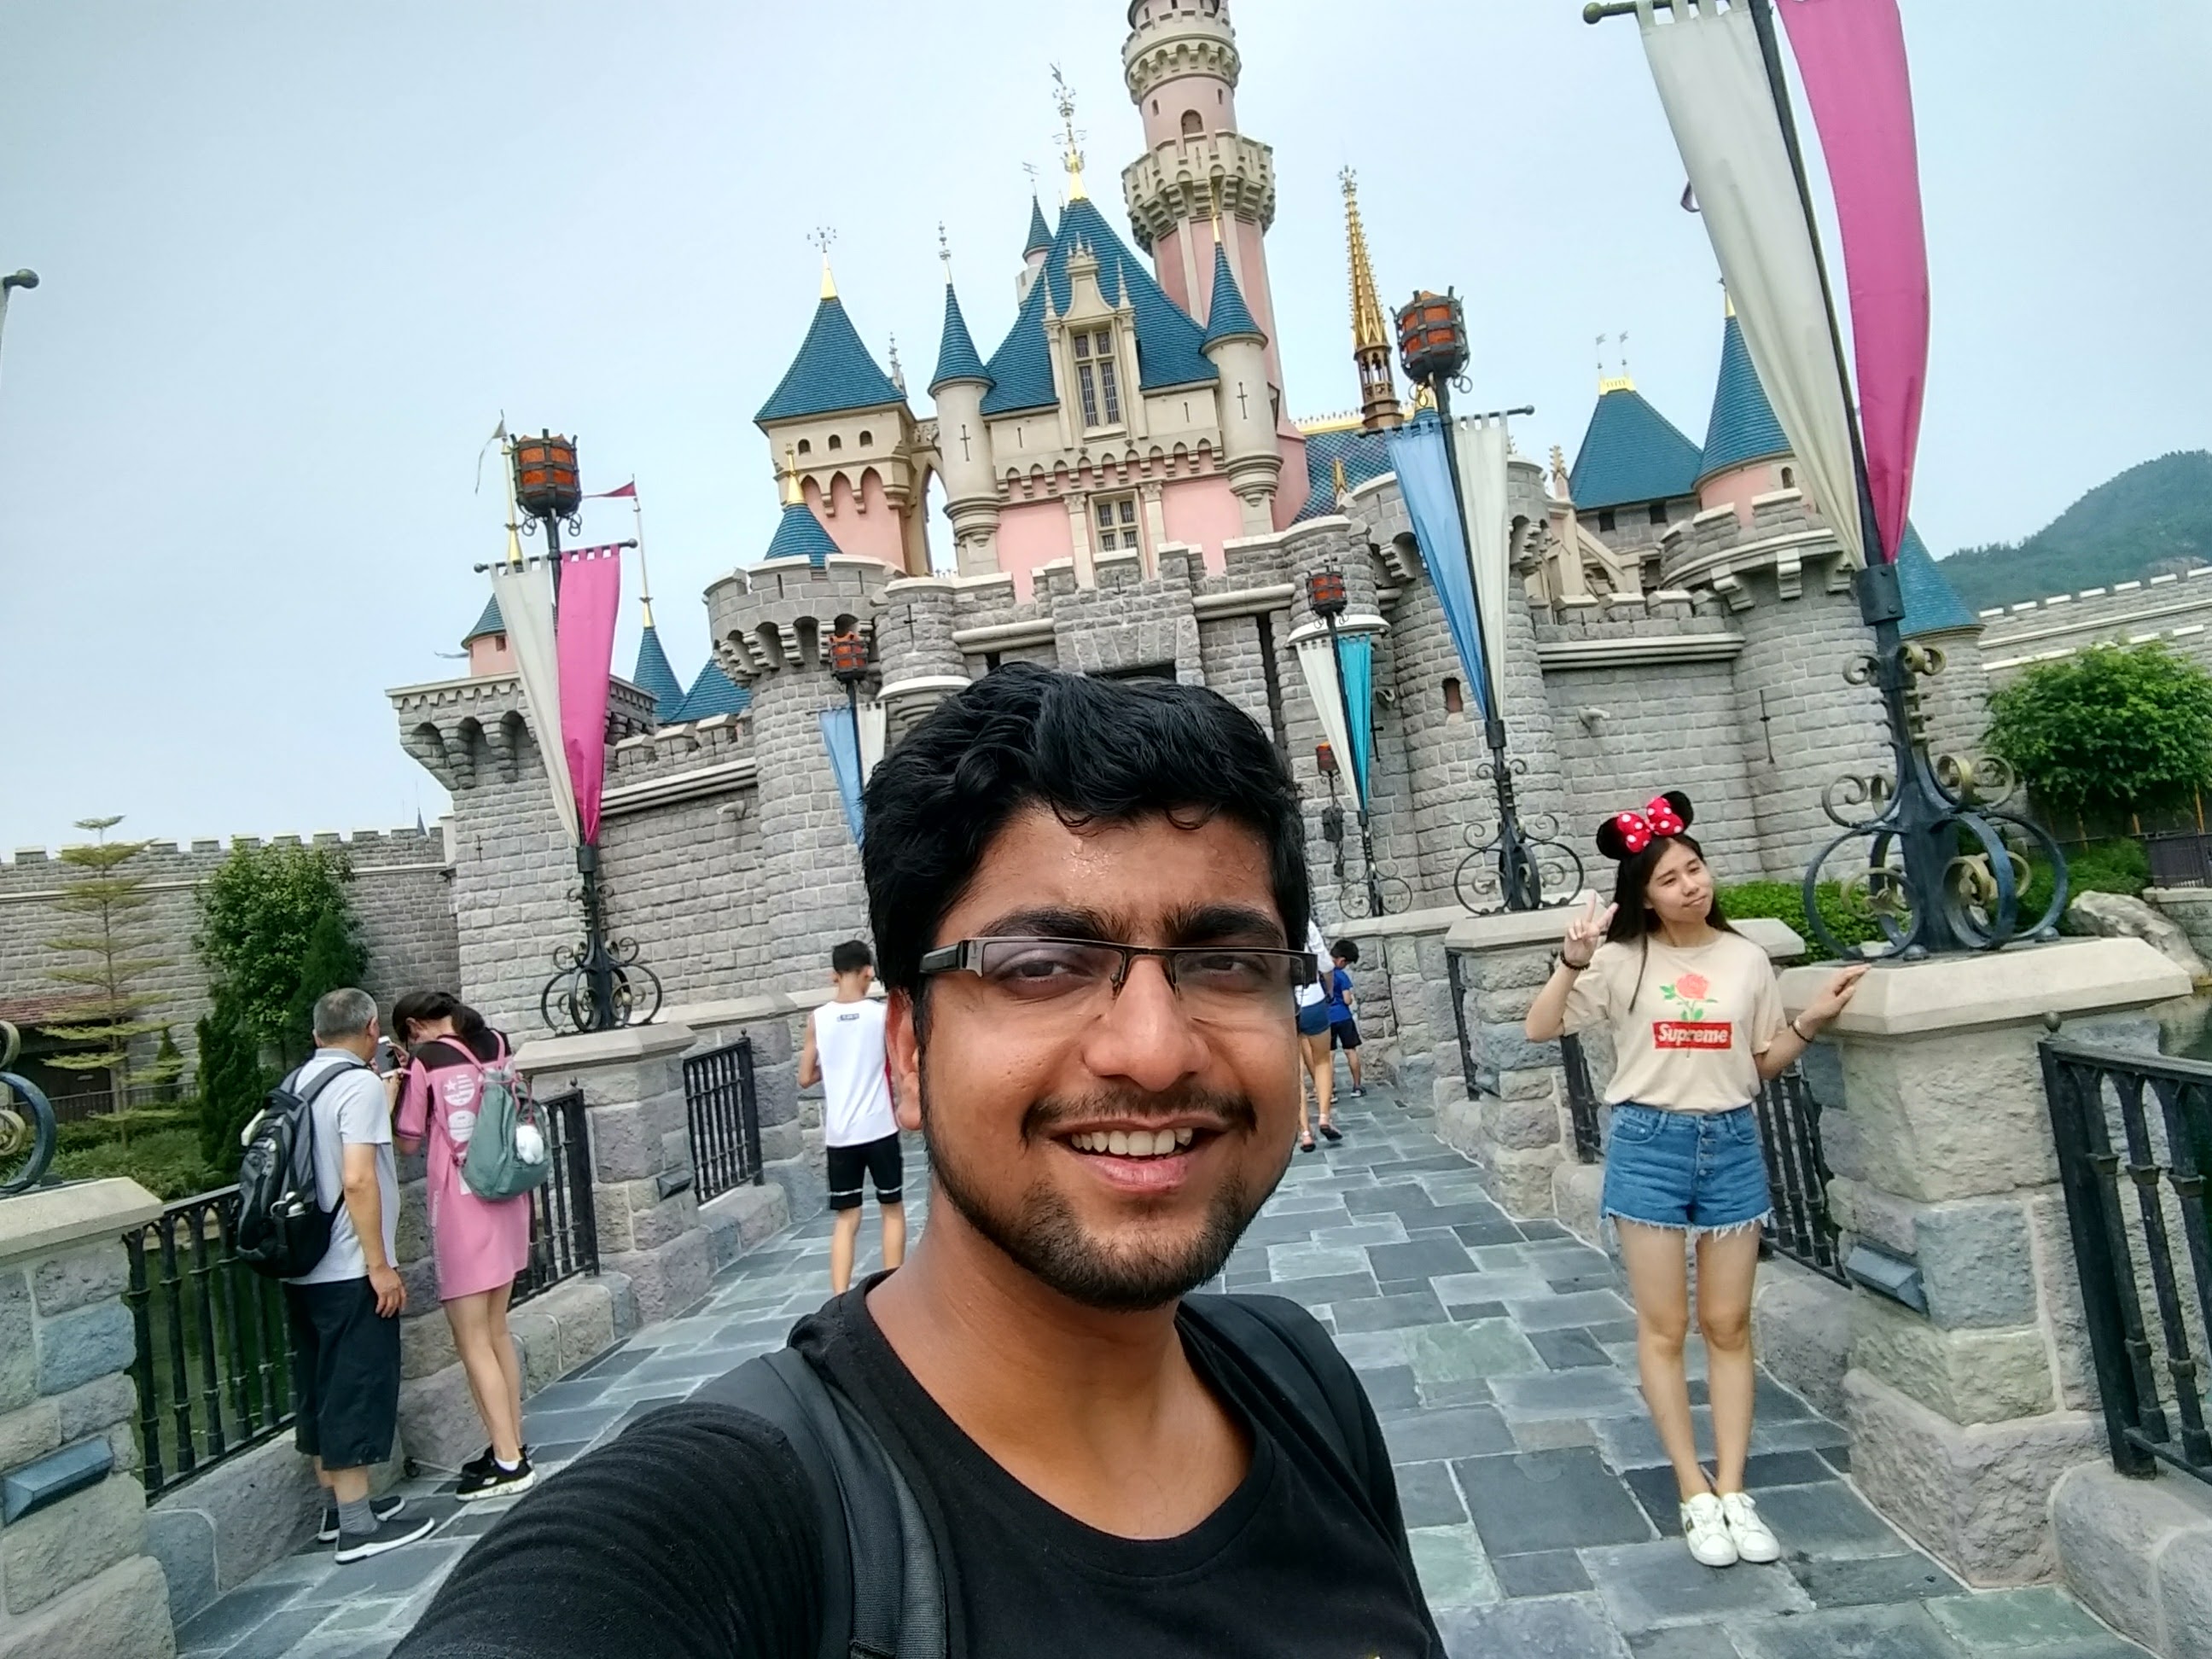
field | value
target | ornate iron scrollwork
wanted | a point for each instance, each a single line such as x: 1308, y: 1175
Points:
x: 1537, y: 856
x: 600, y: 985
x: 26, y: 1123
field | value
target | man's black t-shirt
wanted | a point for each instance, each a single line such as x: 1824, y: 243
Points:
x: 694, y: 1534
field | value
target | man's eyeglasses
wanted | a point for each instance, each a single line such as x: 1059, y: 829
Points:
x: 1219, y: 983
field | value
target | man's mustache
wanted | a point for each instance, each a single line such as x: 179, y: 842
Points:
x: 1046, y: 1116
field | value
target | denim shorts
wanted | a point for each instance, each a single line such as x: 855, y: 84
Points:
x: 1312, y: 1019
x: 1694, y: 1172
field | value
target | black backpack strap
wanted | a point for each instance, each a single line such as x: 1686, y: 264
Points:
x: 883, y: 1593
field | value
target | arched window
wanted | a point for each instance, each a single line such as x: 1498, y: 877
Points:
x: 1789, y: 478
x: 1454, y: 702
x: 867, y: 439
x: 1192, y: 126
x: 805, y: 446
x: 836, y: 443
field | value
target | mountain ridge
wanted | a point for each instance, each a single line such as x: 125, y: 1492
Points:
x: 2152, y: 518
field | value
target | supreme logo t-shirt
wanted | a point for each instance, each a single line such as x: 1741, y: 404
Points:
x: 1687, y: 1026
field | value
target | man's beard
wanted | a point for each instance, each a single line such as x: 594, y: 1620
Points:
x: 1041, y: 1234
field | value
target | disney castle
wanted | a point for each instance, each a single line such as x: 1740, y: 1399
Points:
x: 1128, y: 492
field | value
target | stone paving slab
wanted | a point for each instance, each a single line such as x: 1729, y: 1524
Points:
x: 1500, y: 1357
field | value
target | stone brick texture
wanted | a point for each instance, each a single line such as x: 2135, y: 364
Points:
x: 401, y: 894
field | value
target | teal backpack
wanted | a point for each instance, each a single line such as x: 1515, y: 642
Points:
x: 510, y: 1153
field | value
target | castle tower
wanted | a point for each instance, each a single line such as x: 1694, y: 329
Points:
x: 1370, y: 330
x: 1033, y: 251
x: 964, y: 439
x: 847, y: 425
x: 1236, y: 348
x: 1180, y: 65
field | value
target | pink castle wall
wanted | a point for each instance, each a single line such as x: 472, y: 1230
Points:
x: 490, y: 653
x: 1736, y: 487
x: 1204, y: 512
x: 865, y: 528
x: 1032, y: 534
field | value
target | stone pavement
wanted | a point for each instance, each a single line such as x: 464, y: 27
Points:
x: 1500, y: 1357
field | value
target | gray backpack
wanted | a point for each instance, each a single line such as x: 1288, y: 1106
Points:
x: 510, y: 1153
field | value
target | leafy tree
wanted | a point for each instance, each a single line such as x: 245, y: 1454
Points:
x: 334, y: 957
x: 232, y: 1081
x: 111, y: 948
x: 258, y: 914
x: 2124, y: 728
x: 169, y: 1062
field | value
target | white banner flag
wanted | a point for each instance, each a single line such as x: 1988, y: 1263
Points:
x: 1713, y: 81
x: 526, y: 611
x: 875, y: 722
x: 1479, y: 441
x: 1317, y: 662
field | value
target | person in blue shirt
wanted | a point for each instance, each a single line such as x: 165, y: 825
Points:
x: 1343, y: 1028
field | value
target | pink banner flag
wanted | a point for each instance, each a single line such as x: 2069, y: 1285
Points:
x: 591, y: 593
x: 1851, y: 55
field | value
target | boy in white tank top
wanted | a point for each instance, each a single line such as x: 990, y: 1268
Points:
x: 844, y: 1050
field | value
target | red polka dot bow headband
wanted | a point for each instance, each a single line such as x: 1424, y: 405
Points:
x: 1625, y: 835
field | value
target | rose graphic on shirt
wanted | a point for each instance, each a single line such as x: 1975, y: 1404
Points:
x: 1689, y: 991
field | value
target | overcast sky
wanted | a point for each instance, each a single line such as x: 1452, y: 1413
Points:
x: 297, y: 258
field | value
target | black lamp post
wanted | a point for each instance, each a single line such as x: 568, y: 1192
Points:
x: 849, y: 665
x: 1326, y: 593
x: 591, y: 987
x: 1432, y: 346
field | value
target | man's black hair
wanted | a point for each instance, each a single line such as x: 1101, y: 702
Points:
x: 851, y: 956
x: 1345, y: 949
x: 1094, y: 750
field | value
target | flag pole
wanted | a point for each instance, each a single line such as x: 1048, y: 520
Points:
x: 637, y: 522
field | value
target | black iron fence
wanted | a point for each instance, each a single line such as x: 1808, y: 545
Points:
x: 564, y: 1234
x: 2180, y: 860
x: 2139, y: 1123
x: 214, y: 1361
x: 724, y: 1109
x: 1797, y: 1172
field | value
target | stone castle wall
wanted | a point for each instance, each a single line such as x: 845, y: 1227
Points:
x: 2177, y: 609
x: 400, y: 894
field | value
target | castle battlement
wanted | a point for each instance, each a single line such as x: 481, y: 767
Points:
x: 777, y: 616
x: 167, y: 863
x: 671, y: 748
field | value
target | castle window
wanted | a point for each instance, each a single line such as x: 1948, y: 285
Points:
x: 1116, y: 518
x: 805, y: 446
x: 867, y: 439
x: 1095, y: 378
x: 1789, y: 477
x: 836, y: 443
x: 1192, y: 125
x: 1658, y: 512
x: 1605, y: 519
x: 1455, y: 700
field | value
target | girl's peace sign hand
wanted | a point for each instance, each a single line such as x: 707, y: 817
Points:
x: 1585, y: 934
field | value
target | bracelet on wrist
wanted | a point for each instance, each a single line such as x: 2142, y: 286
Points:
x: 1799, y: 1033
x: 1559, y: 960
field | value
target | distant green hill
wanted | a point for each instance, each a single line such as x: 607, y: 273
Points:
x: 2151, y: 518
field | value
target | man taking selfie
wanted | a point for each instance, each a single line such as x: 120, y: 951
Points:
x: 1084, y: 895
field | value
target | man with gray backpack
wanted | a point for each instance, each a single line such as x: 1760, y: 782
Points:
x: 1089, y: 898
x: 345, y: 1309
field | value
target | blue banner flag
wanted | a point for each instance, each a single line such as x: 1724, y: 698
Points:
x: 1355, y: 660
x: 1424, y: 467
x: 845, y: 764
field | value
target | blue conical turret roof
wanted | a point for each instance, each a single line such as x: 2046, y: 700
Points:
x: 799, y: 535
x: 655, y: 677
x: 832, y: 372
x: 714, y: 692
x: 1931, y: 604
x: 1167, y: 341
x: 489, y: 623
x: 1227, y: 316
x: 1742, y: 427
x: 1631, y: 452
x: 956, y: 356
x: 1039, y: 232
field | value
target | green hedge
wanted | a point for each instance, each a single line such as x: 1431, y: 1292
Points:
x: 110, y: 1128
x: 1784, y: 901
x: 166, y: 1162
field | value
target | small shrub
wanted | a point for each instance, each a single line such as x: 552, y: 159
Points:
x: 121, y: 1128
x: 166, y: 1162
x: 1785, y: 902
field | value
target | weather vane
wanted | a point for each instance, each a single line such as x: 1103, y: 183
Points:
x: 945, y: 250
x: 1064, y: 100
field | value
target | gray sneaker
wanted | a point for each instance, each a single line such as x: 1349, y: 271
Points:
x: 389, y: 1535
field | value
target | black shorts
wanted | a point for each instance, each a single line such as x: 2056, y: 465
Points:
x: 1343, y: 1034
x: 345, y: 1373
x: 877, y: 1160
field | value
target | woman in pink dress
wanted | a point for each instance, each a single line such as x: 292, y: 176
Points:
x: 479, y: 1245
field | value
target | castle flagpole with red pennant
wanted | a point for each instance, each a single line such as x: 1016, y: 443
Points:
x: 629, y: 493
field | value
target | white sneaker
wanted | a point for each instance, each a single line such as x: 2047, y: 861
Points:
x: 1753, y: 1539
x: 1707, y: 1529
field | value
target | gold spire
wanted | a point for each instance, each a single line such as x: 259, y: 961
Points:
x: 1213, y: 196
x: 1071, y: 155
x: 821, y: 238
x: 792, y: 495
x: 1336, y: 472
x: 1368, y: 330
x: 513, y: 512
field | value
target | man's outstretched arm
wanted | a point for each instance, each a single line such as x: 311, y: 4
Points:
x: 694, y: 1536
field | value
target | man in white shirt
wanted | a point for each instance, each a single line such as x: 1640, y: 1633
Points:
x: 844, y: 1050
x: 344, y: 1313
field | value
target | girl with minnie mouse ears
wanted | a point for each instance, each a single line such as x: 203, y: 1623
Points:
x: 1696, y: 1028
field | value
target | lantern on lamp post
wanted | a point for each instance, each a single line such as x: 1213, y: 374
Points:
x: 549, y: 490
x: 1433, y: 347
x: 1327, y: 594
x: 849, y: 665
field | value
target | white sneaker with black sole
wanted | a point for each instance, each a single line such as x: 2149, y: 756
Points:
x: 492, y: 1480
x: 389, y: 1535
x: 385, y: 1508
